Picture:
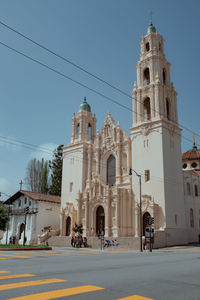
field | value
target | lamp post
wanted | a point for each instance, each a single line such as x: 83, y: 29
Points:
x: 139, y: 176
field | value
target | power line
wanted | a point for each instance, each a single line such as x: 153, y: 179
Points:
x: 85, y: 71
x: 65, y: 76
x: 65, y: 59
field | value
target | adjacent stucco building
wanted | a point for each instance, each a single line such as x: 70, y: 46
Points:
x: 43, y: 212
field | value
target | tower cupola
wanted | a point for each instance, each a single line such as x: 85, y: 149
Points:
x: 151, y: 28
x: 84, y: 106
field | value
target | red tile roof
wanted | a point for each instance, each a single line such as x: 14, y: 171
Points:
x: 34, y: 196
x: 191, y: 154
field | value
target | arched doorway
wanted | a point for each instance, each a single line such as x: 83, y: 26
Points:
x: 21, y: 230
x: 100, y: 220
x: 146, y: 217
x: 68, y: 226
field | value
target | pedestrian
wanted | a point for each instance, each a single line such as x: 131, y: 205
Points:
x: 72, y: 241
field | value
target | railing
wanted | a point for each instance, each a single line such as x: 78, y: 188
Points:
x: 21, y: 211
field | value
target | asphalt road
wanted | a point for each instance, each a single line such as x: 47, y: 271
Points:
x: 170, y: 274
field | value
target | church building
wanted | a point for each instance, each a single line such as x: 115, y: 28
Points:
x: 97, y: 189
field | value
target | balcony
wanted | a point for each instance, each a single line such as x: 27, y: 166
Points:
x: 21, y: 211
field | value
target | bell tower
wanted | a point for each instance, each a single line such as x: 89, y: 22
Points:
x: 156, y: 141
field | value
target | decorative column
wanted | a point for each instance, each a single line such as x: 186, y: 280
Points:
x: 137, y: 221
x: 89, y: 162
x: 79, y: 216
x: 108, y: 213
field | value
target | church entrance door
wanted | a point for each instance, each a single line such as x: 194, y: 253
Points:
x: 68, y: 226
x: 146, y: 217
x: 100, y: 220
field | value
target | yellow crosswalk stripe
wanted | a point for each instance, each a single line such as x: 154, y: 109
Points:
x: 4, y: 271
x: 4, y: 258
x: 16, y: 276
x: 10, y: 255
x: 135, y: 297
x: 29, y: 283
x: 60, y: 293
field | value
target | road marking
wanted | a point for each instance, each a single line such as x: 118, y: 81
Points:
x: 9, y: 255
x: 60, y: 293
x: 29, y: 283
x: 4, y: 271
x: 16, y: 276
x: 4, y: 258
x: 135, y: 297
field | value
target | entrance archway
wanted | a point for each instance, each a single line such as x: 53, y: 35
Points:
x: 68, y: 226
x: 100, y: 220
x: 146, y: 217
x: 21, y: 230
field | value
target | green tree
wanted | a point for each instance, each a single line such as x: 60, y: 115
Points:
x: 78, y: 228
x: 37, y: 176
x: 4, y: 218
x: 56, y: 168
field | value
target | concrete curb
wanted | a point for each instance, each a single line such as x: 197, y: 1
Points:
x: 25, y: 249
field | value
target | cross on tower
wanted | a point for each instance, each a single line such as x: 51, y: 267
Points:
x: 20, y: 184
x: 150, y: 14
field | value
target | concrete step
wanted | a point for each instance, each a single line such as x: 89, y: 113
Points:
x: 131, y: 243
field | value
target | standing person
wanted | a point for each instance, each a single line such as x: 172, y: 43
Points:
x: 72, y: 241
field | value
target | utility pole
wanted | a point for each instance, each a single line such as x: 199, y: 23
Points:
x: 26, y: 212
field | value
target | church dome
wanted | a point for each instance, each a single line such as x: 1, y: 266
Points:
x: 84, y: 106
x: 191, y: 154
x: 151, y: 28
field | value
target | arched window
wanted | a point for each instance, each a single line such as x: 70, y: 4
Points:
x: 188, y: 189
x: 77, y: 130
x: 146, y: 76
x: 147, y: 46
x: 147, y: 109
x: 191, y: 218
x: 89, y: 131
x: 164, y: 76
x: 167, y: 109
x: 111, y: 170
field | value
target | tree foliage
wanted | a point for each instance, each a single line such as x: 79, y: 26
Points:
x: 78, y: 228
x: 4, y: 218
x: 56, y: 168
x: 37, y: 177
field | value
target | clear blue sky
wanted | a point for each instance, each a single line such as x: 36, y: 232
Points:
x: 37, y: 105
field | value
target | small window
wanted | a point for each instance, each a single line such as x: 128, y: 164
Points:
x: 25, y: 200
x: 78, y: 129
x: 71, y: 187
x: 89, y: 131
x: 196, y: 190
x: 191, y: 218
x: 164, y: 76
x: 160, y: 47
x: 147, y: 175
x: 146, y: 76
x: 184, y: 166
x: 194, y: 165
x: 188, y: 189
x: 167, y: 109
x: 29, y: 202
x: 20, y: 202
x: 147, y: 47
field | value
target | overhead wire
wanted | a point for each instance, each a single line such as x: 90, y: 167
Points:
x: 87, y: 72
